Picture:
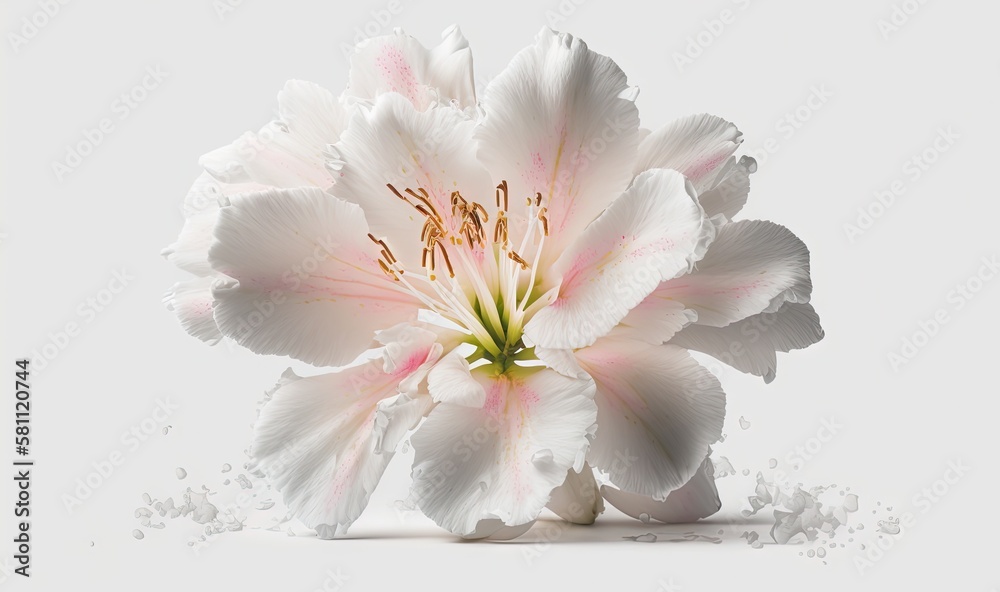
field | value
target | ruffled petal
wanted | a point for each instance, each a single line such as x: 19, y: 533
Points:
x: 697, y: 145
x: 324, y: 441
x: 578, y: 499
x: 653, y: 232
x: 751, y: 267
x: 750, y: 345
x: 399, y: 63
x: 191, y: 301
x: 289, y: 151
x: 502, y: 461
x: 658, y: 412
x: 305, y: 277
x: 559, y: 122
x: 450, y: 381
x: 696, y: 499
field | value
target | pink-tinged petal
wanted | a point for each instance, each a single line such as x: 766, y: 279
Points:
x: 559, y: 122
x: 751, y: 266
x: 324, y: 441
x: 289, y: 151
x: 658, y: 411
x: 393, y: 143
x: 501, y: 461
x: 696, y: 499
x: 578, y: 499
x: 398, y: 63
x: 750, y: 345
x: 191, y: 301
x: 305, y: 277
x: 697, y: 145
x: 655, y: 320
x: 653, y: 232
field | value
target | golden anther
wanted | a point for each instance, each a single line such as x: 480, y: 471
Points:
x: 538, y: 199
x: 517, y: 259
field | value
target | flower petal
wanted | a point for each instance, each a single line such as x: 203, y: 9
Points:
x: 289, y: 151
x: 503, y: 460
x: 322, y: 443
x: 556, y: 124
x: 654, y: 231
x: 306, y: 279
x: 696, y: 145
x: 578, y: 499
x: 450, y: 381
x: 191, y: 301
x: 750, y: 267
x: 395, y: 144
x: 750, y: 345
x: 658, y: 412
x: 696, y: 499
x: 401, y: 64
x: 728, y: 193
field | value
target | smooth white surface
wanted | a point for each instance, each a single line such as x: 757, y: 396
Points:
x: 64, y: 240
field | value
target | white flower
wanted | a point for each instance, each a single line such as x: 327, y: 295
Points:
x: 575, y: 256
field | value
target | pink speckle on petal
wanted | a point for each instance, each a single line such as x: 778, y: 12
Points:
x: 396, y: 72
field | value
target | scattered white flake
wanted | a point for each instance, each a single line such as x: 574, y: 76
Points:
x: 745, y: 424
x: 138, y: 534
x: 181, y: 473
x: 644, y: 517
x: 642, y: 538
x: 227, y: 467
x: 772, y: 463
x: 723, y: 468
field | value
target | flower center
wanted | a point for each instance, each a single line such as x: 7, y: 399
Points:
x: 471, y: 274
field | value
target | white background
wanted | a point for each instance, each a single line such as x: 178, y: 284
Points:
x: 63, y: 240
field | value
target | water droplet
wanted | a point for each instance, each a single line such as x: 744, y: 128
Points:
x: 91, y: 543
x: 749, y: 164
x: 810, y: 553
x: 861, y: 527
x: 227, y: 467
x: 721, y: 531
x: 543, y: 456
x: 644, y: 517
x: 138, y: 534
x: 406, y: 447
x: 482, y: 486
x: 226, y: 482
x: 244, y: 482
x: 148, y: 500
x: 167, y: 429
x: 181, y: 473
x: 265, y: 505
x: 757, y: 545
x: 645, y: 538
x: 744, y: 423
x: 772, y: 463
x: 746, y: 472
x: 821, y: 552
